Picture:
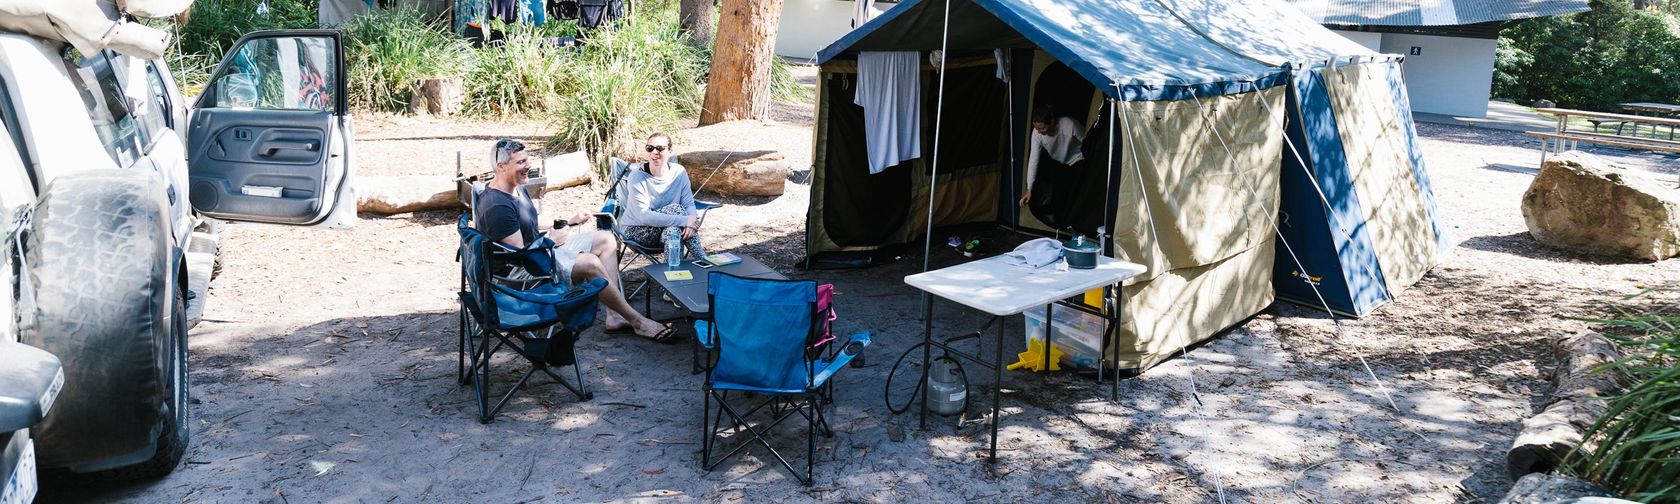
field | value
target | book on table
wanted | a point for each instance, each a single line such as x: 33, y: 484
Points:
x: 723, y: 259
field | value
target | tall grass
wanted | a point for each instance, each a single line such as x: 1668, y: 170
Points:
x: 389, y: 51
x: 521, y: 75
x: 1637, y: 453
x: 623, y: 82
x: 639, y: 76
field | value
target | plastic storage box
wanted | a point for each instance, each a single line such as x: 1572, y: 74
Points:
x: 1077, y: 333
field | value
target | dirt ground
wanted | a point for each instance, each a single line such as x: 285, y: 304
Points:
x: 325, y: 370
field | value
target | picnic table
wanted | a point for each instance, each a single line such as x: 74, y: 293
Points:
x: 1565, y: 138
x: 1661, y: 109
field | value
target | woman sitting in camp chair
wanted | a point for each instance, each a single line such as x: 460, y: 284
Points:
x: 660, y: 196
x: 1060, y: 139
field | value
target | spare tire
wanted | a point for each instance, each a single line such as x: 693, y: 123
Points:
x: 99, y: 256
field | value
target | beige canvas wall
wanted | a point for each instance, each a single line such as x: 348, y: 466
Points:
x: 1374, y: 139
x: 1197, y: 194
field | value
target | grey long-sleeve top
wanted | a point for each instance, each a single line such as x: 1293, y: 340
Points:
x: 648, y: 192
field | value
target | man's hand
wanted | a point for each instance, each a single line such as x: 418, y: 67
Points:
x: 580, y: 218
x: 1026, y: 196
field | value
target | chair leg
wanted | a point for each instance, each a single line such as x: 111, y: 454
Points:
x: 811, y: 436
x: 509, y: 395
x: 706, y: 429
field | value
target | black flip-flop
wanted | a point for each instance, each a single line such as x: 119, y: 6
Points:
x: 665, y: 336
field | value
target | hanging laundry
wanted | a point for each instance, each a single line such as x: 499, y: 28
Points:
x: 862, y: 12
x: 505, y: 10
x: 889, y: 90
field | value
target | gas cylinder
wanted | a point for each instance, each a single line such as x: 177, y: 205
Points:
x: 947, y: 394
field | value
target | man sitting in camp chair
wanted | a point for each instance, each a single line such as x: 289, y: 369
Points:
x: 505, y: 214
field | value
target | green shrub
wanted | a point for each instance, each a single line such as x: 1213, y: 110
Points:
x: 521, y: 74
x: 214, y: 25
x: 1594, y: 60
x: 640, y: 76
x: 389, y: 51
x: 1637, y: 453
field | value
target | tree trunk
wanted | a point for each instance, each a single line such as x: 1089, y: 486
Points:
x: 739, y: 85
x: 696, y: 19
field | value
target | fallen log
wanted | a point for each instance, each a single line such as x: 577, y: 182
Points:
x: 1548, y: 488
x: 1573, y: 405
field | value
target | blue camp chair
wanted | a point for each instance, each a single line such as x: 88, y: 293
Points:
x: 538, y: 318
x: 764, y: 332
x: 630, y: 250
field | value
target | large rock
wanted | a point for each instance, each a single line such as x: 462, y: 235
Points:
x: 1582, y: 203
x: 737, y: 173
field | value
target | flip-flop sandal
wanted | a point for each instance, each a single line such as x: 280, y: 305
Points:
x: 666, y: 336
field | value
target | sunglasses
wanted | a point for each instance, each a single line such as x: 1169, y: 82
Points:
x: 657, y: 148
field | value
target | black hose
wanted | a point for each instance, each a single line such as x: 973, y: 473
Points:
x: 921, y: 388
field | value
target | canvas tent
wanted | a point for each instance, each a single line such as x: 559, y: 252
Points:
x: 1186, y: 104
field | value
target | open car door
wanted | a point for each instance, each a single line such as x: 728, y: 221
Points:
x: 270, y: 136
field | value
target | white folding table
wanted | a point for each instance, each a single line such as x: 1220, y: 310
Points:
x: 1000, y: 288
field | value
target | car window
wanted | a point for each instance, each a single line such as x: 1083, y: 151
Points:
x: 96, y: 79
x: 288, y: 73
x: 160, y: 114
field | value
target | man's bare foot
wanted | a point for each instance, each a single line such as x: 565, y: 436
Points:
x: 653, y: 330
x: 615, y: 323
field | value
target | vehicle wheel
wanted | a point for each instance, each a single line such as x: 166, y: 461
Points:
x: 98, y: 255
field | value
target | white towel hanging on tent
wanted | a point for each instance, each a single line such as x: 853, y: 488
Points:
x: 889, y: 85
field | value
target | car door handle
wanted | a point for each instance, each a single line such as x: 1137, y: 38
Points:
x: 272, y: 148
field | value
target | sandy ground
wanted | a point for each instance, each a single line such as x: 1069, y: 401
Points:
x: 325, y: 371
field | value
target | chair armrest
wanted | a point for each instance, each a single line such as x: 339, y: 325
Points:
x: 854, y: 346
x: 706, y: 205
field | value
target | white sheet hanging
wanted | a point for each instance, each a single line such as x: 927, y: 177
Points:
x: 889, y: 85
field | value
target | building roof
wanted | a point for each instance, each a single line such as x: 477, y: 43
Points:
x: 1432, y: 12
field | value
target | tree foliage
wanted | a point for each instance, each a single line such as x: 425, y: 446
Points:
x: 1595, y: 60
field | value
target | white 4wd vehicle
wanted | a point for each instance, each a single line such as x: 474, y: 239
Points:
x: 104, y: 170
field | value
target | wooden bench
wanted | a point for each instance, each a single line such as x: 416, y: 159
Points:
x: 1570, y: 139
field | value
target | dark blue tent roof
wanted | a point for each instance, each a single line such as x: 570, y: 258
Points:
x: 1150, y: 49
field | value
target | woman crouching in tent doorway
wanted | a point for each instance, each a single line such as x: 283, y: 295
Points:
x: 1055, y: 163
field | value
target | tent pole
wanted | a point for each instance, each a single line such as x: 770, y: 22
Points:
x: 1009, y: 111
x: 927, y: 239
x: 938, y: 120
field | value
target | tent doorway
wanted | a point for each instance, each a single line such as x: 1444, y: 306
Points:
x: 1068, y: 197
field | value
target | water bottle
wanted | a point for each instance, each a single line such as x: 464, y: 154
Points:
x: 673, y: 247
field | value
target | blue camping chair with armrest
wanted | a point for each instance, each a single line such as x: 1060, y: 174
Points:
x: 763, y: 331
x: 538, y: 318
x: 630, y: 250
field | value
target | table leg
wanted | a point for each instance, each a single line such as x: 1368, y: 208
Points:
x: 1119, y: 314
x: 1049, y: 327
x: 927, y: 354
x: 997, y: 387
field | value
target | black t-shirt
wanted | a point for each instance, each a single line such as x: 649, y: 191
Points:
x: 501, y: 214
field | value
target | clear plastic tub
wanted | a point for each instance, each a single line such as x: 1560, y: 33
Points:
x: 1077, y: 333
